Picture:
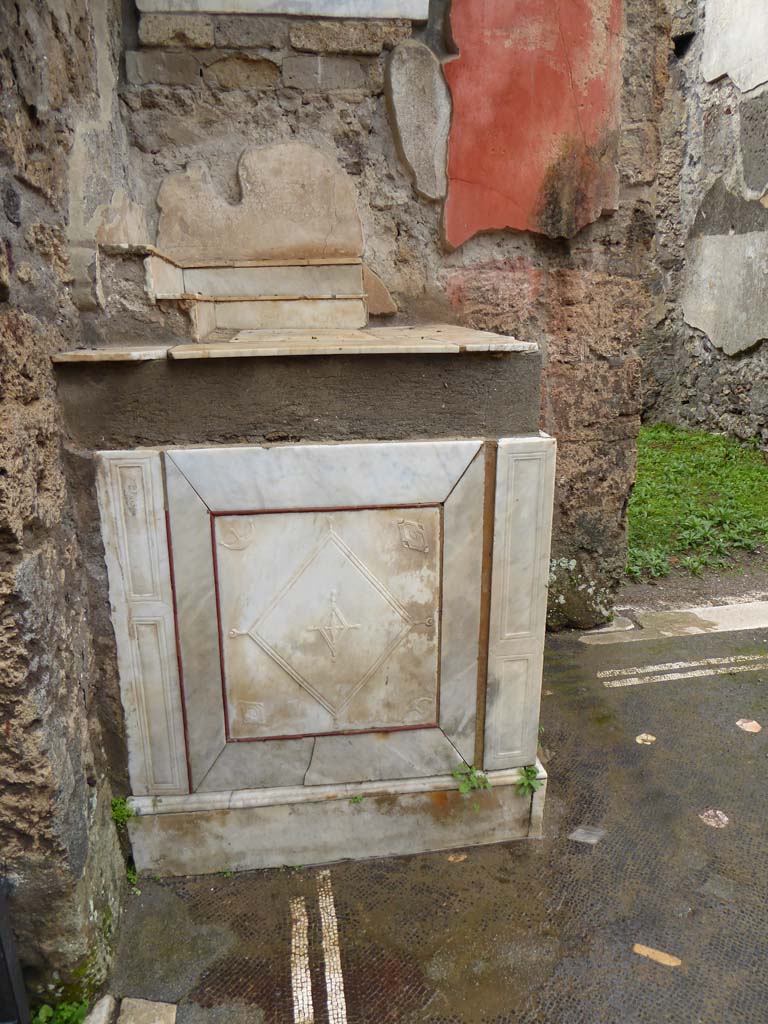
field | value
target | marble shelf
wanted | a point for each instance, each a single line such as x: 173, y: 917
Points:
x: 434, y: 339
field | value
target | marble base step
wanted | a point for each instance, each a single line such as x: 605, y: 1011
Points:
x: 247, y: 829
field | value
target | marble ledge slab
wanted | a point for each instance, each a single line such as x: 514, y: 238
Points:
x: 278, y: 795
x: 417, y: 10
x: 113, y: 354
x: 433, y: 339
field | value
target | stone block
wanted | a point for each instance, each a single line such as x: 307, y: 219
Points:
x: 315, y: 73
x: 244, y: 31
x: 296, y: 202
x: 725, y: 294
x: 364, y: 37
x: 104, y: 1011
x: 639, y: 154
x: 241, y: 71
x: 5, y: 274
x: 162, y: 67
x: 380, y: 302
x: 754, y: 142
x: 420, y: 109
x: 735, y: 33
x: 187, y: 30
x: 143, y: 1011
x: 583, y: 400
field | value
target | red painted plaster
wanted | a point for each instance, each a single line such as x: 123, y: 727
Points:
x: 535, y: 93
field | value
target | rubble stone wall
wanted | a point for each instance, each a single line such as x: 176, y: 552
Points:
x: 58, y: 848
x: 705, y: 358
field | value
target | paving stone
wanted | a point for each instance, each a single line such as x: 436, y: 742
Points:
x: 191, y: 30
x: 420, y: 109
x: 143, y: 1011
x: 103, y: 1012
x: 589, y: 834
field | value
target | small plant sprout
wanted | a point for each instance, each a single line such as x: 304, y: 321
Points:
x: 356, y: 799
x: 64, y: 1013
x: 132, y: 878
x: 528, y: 783
x: 121, y: 812
x: 470, y: 780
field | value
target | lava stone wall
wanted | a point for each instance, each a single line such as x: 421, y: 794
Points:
x: 59, y: 854
x: 707, y: 368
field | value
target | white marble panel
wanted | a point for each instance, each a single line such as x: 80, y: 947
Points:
x: 272, y: 763
x: 328, y: 279
x: 329, y: 620
x: 460, y: 632
x: 381, y: 755
x: 162, y: 280
x: 325, y: 476
x: 312, y: 313
x: 736, y: 42
x: 322, y: 830
x: 415, y: 9
x: 132, y: 506
x: 522, y: 529
x: 203, y: 317
x: 190, y: 532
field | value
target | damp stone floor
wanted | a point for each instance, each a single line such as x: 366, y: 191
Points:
x: 532, y: 932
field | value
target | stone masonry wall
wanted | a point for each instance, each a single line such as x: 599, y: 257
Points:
x: 58, y: 847
x: 706, y: 358
x: 200, y: 88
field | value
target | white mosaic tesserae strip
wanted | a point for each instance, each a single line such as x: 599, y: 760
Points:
x: 334, y: 979
x: 672, y: 671
x: 301, y: 981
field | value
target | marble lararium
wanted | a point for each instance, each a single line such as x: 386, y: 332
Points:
x: 301, y: 623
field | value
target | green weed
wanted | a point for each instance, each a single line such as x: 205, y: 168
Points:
x: 698, y: 499
x: 63, y: 1013
x: 121, y: 812
x: 132, y: 878
x: 527, y: 784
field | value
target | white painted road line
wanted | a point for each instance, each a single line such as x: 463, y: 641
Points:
x: 301, y: 981
x: 334, y: 979
x: 675, y: 666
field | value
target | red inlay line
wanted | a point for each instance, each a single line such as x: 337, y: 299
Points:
x: 339, y: 732
x: 218, y: 623
x: 325, y: 508
x: 178, y: 649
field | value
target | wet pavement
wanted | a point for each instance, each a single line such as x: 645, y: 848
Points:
x: 532, y: 932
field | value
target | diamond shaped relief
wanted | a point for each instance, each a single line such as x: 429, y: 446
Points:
x: 326, y: 659
x: 329, y: 623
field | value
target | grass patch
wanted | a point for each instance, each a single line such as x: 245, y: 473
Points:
x: 698, y: 499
